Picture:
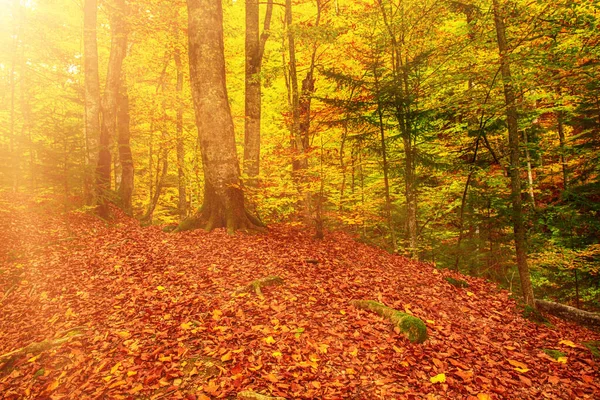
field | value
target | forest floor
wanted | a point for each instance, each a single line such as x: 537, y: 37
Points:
x: 123, y: 311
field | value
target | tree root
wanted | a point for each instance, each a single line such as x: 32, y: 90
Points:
x: 585, y: 318
x: 255, y: 286
x: 249, y: 395
x: 412, y: 327
x: 39, y: 347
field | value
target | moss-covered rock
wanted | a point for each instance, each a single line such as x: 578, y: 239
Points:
x: 457, y: 282
x: 412, y: 327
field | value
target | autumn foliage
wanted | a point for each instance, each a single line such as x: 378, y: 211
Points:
x: 160, y: 315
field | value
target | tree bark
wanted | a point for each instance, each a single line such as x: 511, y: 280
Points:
x: 182, y: 201
x: 223, y: 195
x: 109, y: 105
x: 125, y: 156
x: 585, y: 318
x: 563, y: 148
x: 299, y: 160
x: 255, y: 46
x: 515, y: 166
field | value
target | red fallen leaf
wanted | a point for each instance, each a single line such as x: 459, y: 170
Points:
x: 437, y: 363
x: 464, y: 375
x: 525, y: 380
x: 553, y: 379
x: 272, y: 378
x: 587, y: 378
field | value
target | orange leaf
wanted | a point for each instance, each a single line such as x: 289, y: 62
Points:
x: 272, y: 378
x: 517, y: 364
x: 553, y: 379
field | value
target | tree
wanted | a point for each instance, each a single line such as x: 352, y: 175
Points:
x: 223, y: 204
x: 109, y: 104
x: 125, y: 156
x: 515, y: 166
x: 255, y: 48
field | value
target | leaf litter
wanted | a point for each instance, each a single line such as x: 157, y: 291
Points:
x: 160, y: 317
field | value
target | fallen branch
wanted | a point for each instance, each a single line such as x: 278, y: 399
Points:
x: 585, y: 318
x: 248, y: 395
x: 412, y: 327
x: 39, y: 347
x: 257, y: 285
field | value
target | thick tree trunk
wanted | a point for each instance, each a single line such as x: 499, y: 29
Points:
x: 515, y: 166
x: 585, y: 318
x: 109, y: 105
x: 223, y: 195
x: 255, y: 46
x: 125, y: 156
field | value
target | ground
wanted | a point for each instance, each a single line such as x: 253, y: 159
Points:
x: 159, y: 315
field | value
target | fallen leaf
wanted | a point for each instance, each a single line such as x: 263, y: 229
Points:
x: 439, y: 378
x: 567, y: 343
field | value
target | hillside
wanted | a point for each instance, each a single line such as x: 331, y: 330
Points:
x: 132, y: 312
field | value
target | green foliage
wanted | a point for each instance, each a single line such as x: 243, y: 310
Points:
x: 594, y: 347
x: 457, y: 282
x: 555, y: 354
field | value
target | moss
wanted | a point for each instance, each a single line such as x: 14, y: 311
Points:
x: 555, y: 354
x: 412, y: 327
x: 594, y: 347
x: 457, y: 282
x: 257, y: 285
x: 534, y: 315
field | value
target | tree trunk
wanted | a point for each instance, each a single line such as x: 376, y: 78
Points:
x: 125, y: 156
x: 182, y: 201
x: 515, y: 166
x: 255, y: 46
x: 299, y: 160
x: 562, y: 141
x: 109, y: 105
x: 223, y: 195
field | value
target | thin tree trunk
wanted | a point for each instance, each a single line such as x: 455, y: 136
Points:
x: 13, y: 138
x: 299, y: 160
x: 182, y: 200
x: 562, y: 141
x: 109, y: 105
x: 255, y: 46
x: 515, y: 167
x: 125, y: 156
x: 92, y: 96
x: 529, y: 169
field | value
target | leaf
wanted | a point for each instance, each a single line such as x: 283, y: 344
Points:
x: 272, y: 378
x: 553, y: 379
x: 567, y: 343
x: 124, y: 334
x: 160, y: 288
x: 323, y: 348
x: 562, y: 360
x: 521, y: 370
x: 439, y: 378
x: 136, y: 389
x: 186, y: 325
x: 216, y: 314
x: 269, y: 340
x: 276, y: 354
x: 470, y: 294
x: 226, y: 356
x: 53, y: 385
x: 517, y: 364
x: 483, y: 396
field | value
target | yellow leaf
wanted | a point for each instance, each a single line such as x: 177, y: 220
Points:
x: 216, y: 314
x: 342, y: 312
x: 269, y: 340
x: 272, y: 378
x: 323, y: 348
x: 397, y: 349
x: 439, y: 378
x: 226, y: 356
x: 483, y: 396
x: 115, y: 368
x: 567, y: 343
x: 186, y: 325
x: 160, y: 288
x: 167, y: 317
x: 255, y: 368
x: 470, y: 294
x: 311, y: 298
x: 522, y: 370
x: 34, y: 359
x: 350, y: 371
x: 517, y: 364
x: 131, y: 373
x: 354, y: 352
x: 124, y: 334
x: 316, y: 384
x: 276, y: 354
x: 430, y: 321
x: 562, y: 360
x: 136, y: 389
x: 165, y: 359
x: 52, y: 386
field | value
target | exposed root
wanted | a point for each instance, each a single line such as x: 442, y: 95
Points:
x: 248, y: 395
x: 412, y: 327
x: 255, y: 286
x: 39, y: 347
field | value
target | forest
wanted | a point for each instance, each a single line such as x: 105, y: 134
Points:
x: 299, y: 199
